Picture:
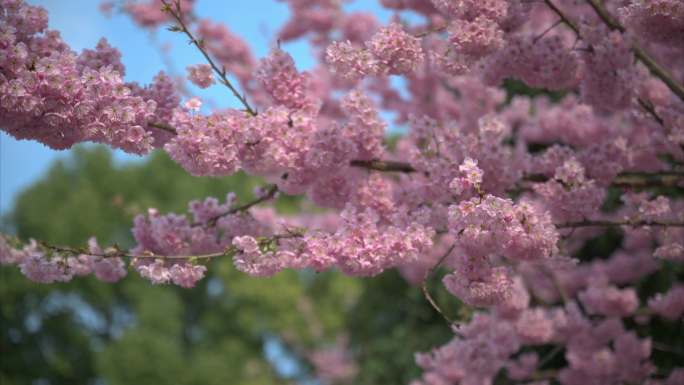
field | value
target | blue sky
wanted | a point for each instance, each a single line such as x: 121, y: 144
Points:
x: 82, y: 25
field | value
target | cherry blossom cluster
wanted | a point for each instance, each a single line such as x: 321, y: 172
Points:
x: 391, y: 50
x: 150, y: 13
x: 587, y: 324
x: 53, y: 95
x: 659, y: 21
x: 485, y: 229
x: 202, y: 75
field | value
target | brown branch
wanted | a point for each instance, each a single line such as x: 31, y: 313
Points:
x: 549, y: 356
x: 122, y: 254
x: 268, y: 195
x: 163, y: 126
x: 431, y: 31
x: 383, y: 165
x: 564, y: 19
x: 114, y: 252
x: 640, y: 180
x: 627, y: 179
x: 666, y: 348
x: 606, y: 223
x: 648, y: 107
x: 547, y: 30
x: 656, y: 69
x: 182, y: 27
x: 426, y: 292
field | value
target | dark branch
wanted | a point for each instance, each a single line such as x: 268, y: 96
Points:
x: 648, y: 106
x: 164, y: 127
x: 115, y: 252
x: 564, y: 19
x: 383, y: 165
x: 268, y: 195
x: 606, y: 223
x: 426, y: 292
x: 182, y: 27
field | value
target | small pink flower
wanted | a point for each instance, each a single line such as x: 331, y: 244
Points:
x: 194, y: 104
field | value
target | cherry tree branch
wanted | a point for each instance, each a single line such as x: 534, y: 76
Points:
x: 383, y: 165
x: 600, y: 223
x: 645, y: 179
x: 648, y: 107
x: 269, y: 194
x: 115, y: 252
x: 627, y: 179
x: 564, y: 19
x: 163, y: 126
x: 431, y: 31
x: 426, y: 292
x: 221, y: 72
x: 549, y: 356
x: 607, y: 223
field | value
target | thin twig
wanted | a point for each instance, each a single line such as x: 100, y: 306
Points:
x: 164, y: 127
x: 648, y: 107
x: 221, y: 72
x: 431, y: 31
x: 666, y: 348
x: 564, y: 19
x: 121, y: 254
x: 268, y: 195
x: 115, y: 252
x: 541, y: 35
x: 625, y: 179
x: 549, y: 356
x: 426, y: 292
x: 384, y: 165
x: 605, y: 223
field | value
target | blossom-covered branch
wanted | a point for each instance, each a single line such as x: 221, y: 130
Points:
x: 175, y: 11
x: 627, y: 223
x: 267, y: 193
